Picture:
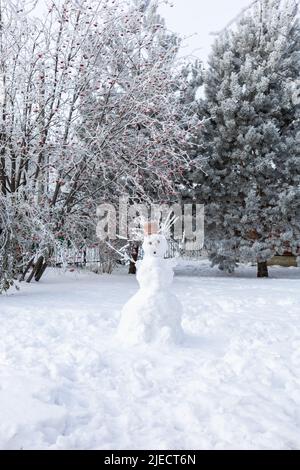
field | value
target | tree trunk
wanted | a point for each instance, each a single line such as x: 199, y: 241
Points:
x: 40, y: 271
x: 262, y: 269
x: 29, y: 265
x: 134, y: 256
x: 35, y: 269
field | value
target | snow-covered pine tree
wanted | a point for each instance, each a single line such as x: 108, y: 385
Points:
x: 190, y: 81
x: 252, y: 184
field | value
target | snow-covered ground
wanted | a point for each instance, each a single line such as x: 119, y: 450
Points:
x: 66, y: 382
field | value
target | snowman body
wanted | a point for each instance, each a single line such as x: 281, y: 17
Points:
x: 154, y: 313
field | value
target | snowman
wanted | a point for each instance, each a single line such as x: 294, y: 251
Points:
x: 153, y: 314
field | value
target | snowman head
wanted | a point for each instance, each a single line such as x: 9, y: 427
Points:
x: 155, y: 245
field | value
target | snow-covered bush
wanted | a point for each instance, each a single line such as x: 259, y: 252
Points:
x: 24, y: 235
x: 88, y: 111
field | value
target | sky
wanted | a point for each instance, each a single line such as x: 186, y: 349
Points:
x: 197, y: 19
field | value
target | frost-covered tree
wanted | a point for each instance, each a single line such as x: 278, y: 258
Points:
x: 132, y: 117
x: 130, y: 113
x: 252, y: 183
x: 190, y: 81
x: 112, y: 60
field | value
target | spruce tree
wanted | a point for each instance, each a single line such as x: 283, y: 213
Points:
x: 251, y: 183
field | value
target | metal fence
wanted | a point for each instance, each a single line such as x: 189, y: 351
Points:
x: 97, y: 258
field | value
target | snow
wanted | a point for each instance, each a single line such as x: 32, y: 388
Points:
x: 67, y: 383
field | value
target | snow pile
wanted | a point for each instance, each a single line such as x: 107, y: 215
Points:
x: 154, y: 313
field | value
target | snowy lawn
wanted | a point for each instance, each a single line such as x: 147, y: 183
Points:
x: 66, y: 383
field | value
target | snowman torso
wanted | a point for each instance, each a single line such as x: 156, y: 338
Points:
x: 154, y: 272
